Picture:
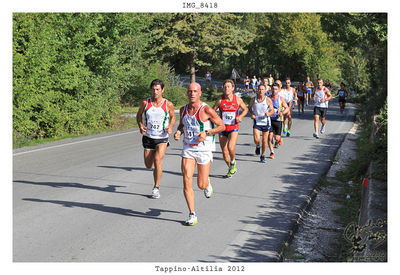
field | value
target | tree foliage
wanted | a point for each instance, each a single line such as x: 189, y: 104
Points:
x: 200, y: 40
x: 74, y: 71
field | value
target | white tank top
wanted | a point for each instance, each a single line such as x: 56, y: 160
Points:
x: 157, y: 119
x: 288, y: 95
x: 259, y: 109
x: 192, y: 126
x: 319, y: 95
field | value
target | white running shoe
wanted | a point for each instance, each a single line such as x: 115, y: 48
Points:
x: 156, y: 193
x: 323, y: 129
x: 315, y: 135
x: 192, y: 219
x: 209, y: 190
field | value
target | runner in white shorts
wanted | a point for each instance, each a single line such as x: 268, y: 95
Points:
x: 196, y: 123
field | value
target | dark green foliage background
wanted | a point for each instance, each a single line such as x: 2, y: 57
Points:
x: 74, y: 72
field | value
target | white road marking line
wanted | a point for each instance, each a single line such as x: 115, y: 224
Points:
x: 76, y: 142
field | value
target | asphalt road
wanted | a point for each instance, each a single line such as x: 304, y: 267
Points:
x: 88, y: 199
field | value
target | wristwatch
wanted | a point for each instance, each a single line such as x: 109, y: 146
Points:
x: 207, y: 132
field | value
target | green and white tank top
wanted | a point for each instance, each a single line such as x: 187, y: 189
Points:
x: 192, y: 126
x: 157, y: 119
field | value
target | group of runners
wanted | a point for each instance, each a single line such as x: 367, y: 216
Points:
x: 199, y: 123
x: 255, y: 82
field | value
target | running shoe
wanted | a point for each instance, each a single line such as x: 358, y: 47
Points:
x: 280, y: 142
x: 288, y: 133
x: 230, y: 173
x: 272, y: 155
x: 262, y: 159
x: 323, y: 129
x: 315, y: 135
x: 284, y: 130
x: 257, y: 151
x: 208, y: 191
x: 276, y: 145
x: 156, y: 193
x: 192, y: 219
x: 232, y: 169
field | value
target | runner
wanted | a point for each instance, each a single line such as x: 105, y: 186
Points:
x: 328, y: 85
x: 342, y: 97
x: 290, y: 96
x: 159, y: 117
x: 270, y: 81
x: 254, y: 83
x: 229, y: 105
x: 309, y: 89
x: 268, y: 92
x: 247, y: 83
x: 280, y: 109
x: 300, y: 96
x: 196, y: 120
x: 261, y: 108
x: 321, y: 96
x: 208, y: 76
x: 259, y: 81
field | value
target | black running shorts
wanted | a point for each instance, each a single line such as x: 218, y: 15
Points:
x: 320, y: 111
x: 276, y: 127
x: 151, y: 143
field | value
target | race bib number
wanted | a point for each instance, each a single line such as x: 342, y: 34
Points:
x: 229, y: 118
x: 191, y: 134
x: 155, y: 128
x: 262, y: 120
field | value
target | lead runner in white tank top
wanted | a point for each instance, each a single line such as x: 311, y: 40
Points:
x: 319, y: 95
x: 192, y: 127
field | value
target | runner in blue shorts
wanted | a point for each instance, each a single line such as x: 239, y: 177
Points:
x: 309, y: 89
x: 261, y: 109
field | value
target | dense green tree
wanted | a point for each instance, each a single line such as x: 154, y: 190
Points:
x: 198, y: 39
x: 364, y: 38
x: 288, y: 44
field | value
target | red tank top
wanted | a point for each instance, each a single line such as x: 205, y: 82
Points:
x: 229, y: 112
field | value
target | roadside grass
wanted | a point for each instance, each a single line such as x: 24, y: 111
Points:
x: 122, y: 123
x: 290, y: 253
x: 350, y: 179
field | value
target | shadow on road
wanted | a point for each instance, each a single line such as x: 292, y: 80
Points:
x: 109, y: 188
x: 139, y: 169
x: 281, y: 211
x: 153, y: 213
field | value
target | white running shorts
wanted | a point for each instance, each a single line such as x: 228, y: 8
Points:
x: 201, y: 157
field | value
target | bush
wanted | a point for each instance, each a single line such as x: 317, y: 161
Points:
x: 140, y: 88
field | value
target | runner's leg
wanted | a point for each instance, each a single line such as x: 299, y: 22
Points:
x: 289, y: 119
x: 203, y: 172
x: 256, y: 136
x: 265, y: 138
x: 223, y: 142
x: 188, y: 167
x: 232, y: 140
x: 149, y: 158
x: 316, y: 123
x: 158, y: 157
x: 271, y: 141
